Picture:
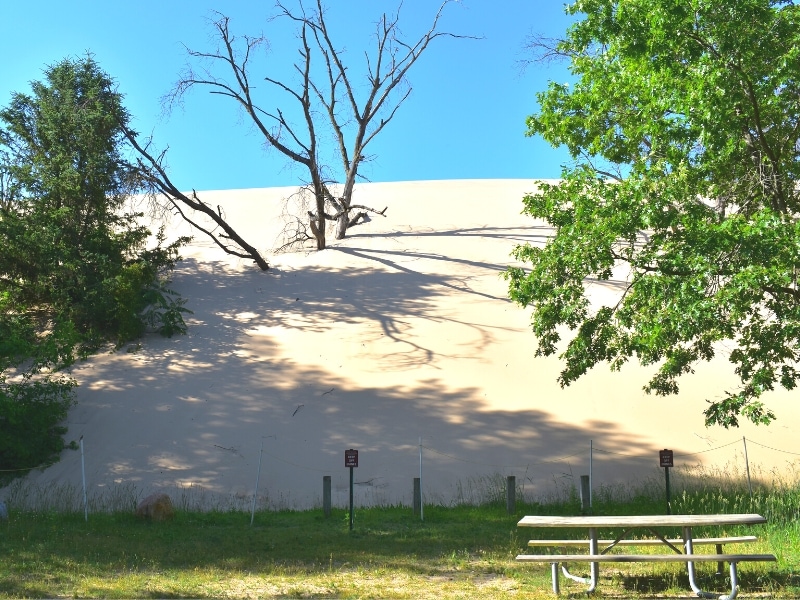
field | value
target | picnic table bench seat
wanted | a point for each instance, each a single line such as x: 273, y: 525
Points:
x: 716, y: 541
x: 729, y: 558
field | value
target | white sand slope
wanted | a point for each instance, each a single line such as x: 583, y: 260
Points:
x: 401, y: 331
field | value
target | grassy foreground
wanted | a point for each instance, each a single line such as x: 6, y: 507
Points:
x: 457, y: 552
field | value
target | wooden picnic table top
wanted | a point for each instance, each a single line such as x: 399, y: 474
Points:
x: 641, y: 520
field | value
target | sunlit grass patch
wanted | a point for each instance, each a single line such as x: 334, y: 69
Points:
x: 460, y: 550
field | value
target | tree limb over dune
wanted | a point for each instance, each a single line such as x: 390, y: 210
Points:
x: 152, y: 171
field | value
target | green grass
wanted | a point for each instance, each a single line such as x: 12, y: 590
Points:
x: 457, y: 552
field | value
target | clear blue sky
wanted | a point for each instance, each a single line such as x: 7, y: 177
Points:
x: 465, y: 117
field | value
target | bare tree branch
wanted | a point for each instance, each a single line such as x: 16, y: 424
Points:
x: 544, y: 51
x: 332, y: 101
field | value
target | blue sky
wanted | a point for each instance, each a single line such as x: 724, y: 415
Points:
x: 464, y: 119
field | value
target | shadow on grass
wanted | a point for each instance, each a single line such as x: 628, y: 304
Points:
x: 752, y: 581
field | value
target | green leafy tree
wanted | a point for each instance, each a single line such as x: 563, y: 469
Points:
x: 71, y: 249
x: 75, y: 269
x: 683, y: 125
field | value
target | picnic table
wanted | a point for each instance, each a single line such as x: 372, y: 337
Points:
x: 649, y: 524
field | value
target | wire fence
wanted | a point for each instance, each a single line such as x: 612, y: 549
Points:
x: 244, y: 478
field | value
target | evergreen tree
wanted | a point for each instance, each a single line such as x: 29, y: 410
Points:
x: 75, y: 270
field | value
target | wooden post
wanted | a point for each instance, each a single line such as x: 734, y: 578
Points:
x: 511, y: 491
x: 585, y: 487
x: 417, y: 496
x: 326, y: 495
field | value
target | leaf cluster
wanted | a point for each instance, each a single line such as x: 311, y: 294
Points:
x: 684, y: 125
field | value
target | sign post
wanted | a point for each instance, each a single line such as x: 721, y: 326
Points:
x: 351, y: 461
x: 665, y: 460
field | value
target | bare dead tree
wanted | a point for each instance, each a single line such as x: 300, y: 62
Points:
x: 329, y: 101
x: 150, y: 170
x: 297, y: 231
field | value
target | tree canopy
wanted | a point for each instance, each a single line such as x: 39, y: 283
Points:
x: 72, y: 248
x: 682, y: 121
x: 75, y: 269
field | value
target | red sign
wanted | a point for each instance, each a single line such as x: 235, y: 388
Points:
x: 665, y: 458
x: 351, y: 458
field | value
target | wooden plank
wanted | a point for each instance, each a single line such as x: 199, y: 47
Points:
x: 647, y: 542
x: 641, y: 520
x: 557, y: 558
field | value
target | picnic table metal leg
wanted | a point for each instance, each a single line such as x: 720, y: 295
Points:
x: 577, y: 578
x: 594, y: 568
x: 734, y: 584
x: 569, y: 575
x: 554, y: 570
x: 687, y: 541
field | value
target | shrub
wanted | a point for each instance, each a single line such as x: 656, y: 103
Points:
x: 31, y: 413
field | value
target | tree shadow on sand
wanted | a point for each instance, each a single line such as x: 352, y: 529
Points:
x: 197, y: 407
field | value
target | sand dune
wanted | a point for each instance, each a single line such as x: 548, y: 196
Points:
x: 402, y: 332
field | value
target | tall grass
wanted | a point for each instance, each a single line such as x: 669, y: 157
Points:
x: 464, y: 548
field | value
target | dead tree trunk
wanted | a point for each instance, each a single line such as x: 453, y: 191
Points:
x: 342, y: 223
